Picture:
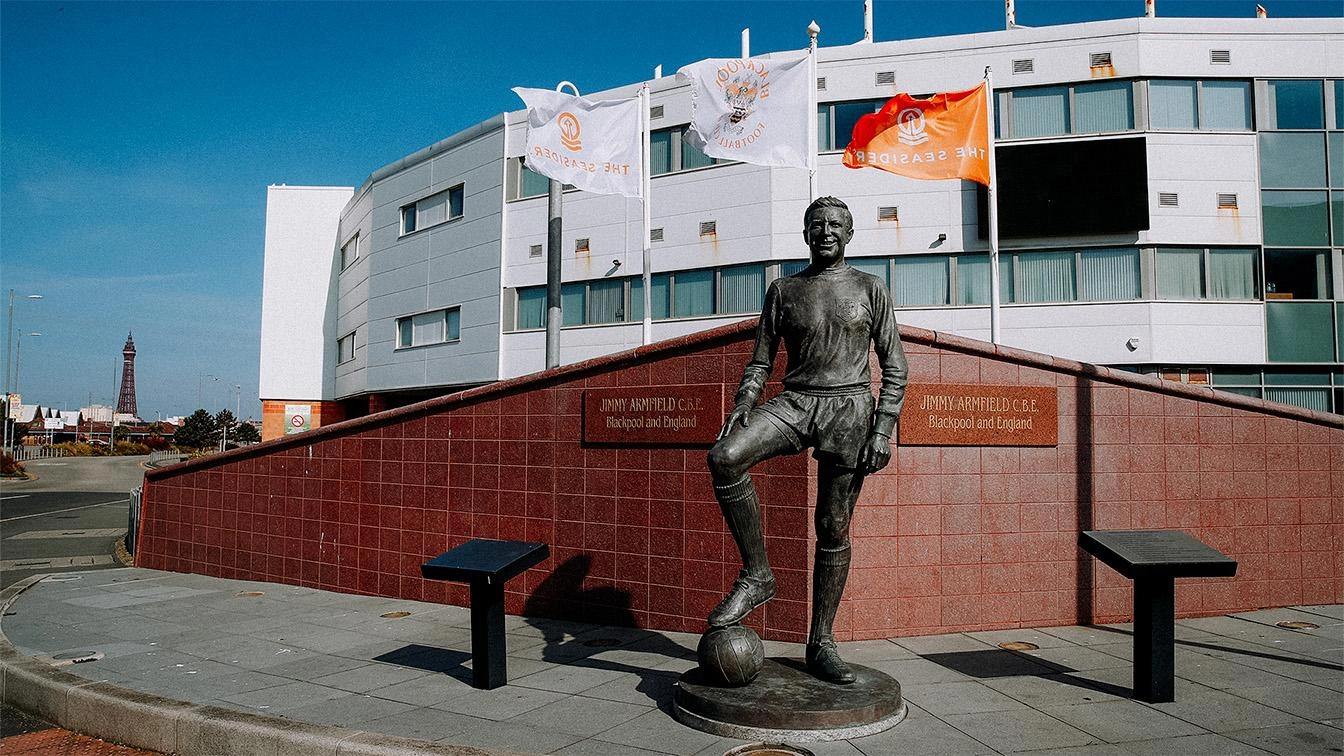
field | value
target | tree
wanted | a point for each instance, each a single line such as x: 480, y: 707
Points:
x: 246, y: 434
x: 197, y: 431
x: 226, y: 426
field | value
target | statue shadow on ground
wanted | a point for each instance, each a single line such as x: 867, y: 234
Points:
x: 563, y: 610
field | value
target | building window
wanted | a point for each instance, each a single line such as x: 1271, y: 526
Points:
x: 1295, y: 218
x: 836, y: 120
x: 345, y: 348
x: 873, y: 266
x: 742, y: 289
x: 1295, y: 104
x: 531, y: 311
x: 432, y: 210
x: 606, y: 301
x: 1297, y: 274
x: 425, y: 328
x: 693, y: 293
x: 660, y: 297
x: 1292, y: 159
x: 670, y: 152
x: 921, y: 280
x: 1090, y: 275
x: 1211, y: 104
x: 523, y: 182
x: 1195, y: 273
x: 1093, y: 108
x: 350, y: 252
x: 1108, y: 275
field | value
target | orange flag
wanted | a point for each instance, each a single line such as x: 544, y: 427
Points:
x: 943, y: 137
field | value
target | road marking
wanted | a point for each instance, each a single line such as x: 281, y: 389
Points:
x: 42, y: 563
x: 58, y: 511
x: 71, y: 533
x: 19, y: 496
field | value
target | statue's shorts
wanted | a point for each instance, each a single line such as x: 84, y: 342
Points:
x: 834, y: 424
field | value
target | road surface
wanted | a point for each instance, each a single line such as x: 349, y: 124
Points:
x: 69, y: 519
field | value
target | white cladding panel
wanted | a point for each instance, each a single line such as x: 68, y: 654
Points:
x: 353, y: 298
x: 1197, y: 167
x: 453, y: 264
x: 298, y: 311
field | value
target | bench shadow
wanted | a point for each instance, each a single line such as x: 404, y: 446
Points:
x: 430, y: 659
x: 995, y: 663
x: 561, y: 601
x: 1239, y: 651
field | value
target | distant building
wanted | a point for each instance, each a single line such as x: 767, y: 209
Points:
x: 126, y: 397
x: 1172, y: 196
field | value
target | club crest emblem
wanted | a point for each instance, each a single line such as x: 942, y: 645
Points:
x: 848, y: 310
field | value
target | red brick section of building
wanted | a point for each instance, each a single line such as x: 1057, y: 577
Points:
x: 947, y: 538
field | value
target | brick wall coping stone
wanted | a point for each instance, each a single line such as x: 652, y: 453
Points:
x: 728, y: 334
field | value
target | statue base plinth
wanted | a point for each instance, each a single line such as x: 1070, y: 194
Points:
x: 786, y: 703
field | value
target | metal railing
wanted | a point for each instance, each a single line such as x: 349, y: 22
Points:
x: 24, y: 453
x: 133, y: 519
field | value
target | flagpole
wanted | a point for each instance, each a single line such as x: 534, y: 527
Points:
x: 812, y: 31
x: 645, y: 184
x: 555, y: 197
x: 995, y: 326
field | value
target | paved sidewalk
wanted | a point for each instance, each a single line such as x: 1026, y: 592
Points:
x: 192, y: 664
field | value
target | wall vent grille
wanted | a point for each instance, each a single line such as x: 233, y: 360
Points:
x: 581, y: 245
x: 656, y: 111
x: 889, y: 213
x: 1227, y: 201
x: 709, y: 228
x: 1100, y: 60
x: 1168, y: 199
x: 655, y: 234
x: 1220, y: 57
x: 534, y: 250
x: 821, y: 82
x: 1024, y: 66
x: 884, y: 77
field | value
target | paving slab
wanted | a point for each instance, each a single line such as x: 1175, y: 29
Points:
x: 299, y: 668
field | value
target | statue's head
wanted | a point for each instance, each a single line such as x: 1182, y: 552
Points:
x: 827, y: 227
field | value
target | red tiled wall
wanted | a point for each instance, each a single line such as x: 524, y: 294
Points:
x: 947, y: 538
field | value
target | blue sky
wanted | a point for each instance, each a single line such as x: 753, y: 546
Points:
x: 137, y: 141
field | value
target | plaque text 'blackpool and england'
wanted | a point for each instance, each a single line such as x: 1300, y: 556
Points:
x: 955, y: 414
x: 653, y: 415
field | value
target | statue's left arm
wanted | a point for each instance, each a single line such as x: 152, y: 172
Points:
x: 891, y: 359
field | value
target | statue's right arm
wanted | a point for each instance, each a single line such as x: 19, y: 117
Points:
x: 758, y: 368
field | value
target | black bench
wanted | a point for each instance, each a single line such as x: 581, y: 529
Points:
x: 486, y: 566
x: 1153, y: 559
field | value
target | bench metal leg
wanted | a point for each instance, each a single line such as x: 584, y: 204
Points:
x: 1155, y: 639
x: 488, y: 662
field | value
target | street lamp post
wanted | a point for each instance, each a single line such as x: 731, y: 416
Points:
x: 18, y: 357
x: 7, y: 437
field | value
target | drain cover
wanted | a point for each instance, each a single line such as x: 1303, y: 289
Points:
x: 768, y: 749
x: 1294, y: 625
x: 395, y: 615
x: 76, y: 657
x: 249, y: 594
x: 1018, y: 646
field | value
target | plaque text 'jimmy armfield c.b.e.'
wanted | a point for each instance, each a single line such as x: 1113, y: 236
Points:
x: 653, y: 415
x: 955, y: 414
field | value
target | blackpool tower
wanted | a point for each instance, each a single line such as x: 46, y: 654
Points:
x: 126, y: 399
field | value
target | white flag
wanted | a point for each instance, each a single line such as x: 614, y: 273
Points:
x: 750, y: 109
x: 594, y: 145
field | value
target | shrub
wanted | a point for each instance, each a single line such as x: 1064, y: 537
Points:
x: 129, y: 449
x: 9, y: 468
x: 79, y: 449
